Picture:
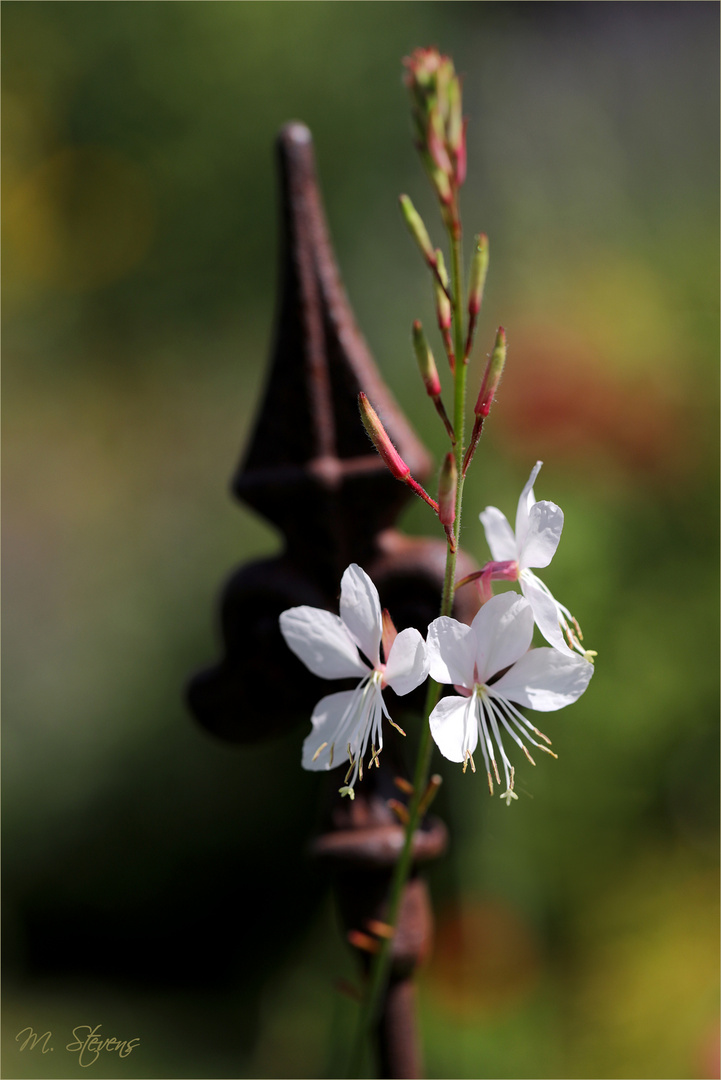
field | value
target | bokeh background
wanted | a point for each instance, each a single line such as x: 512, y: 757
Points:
x: 155, y: 880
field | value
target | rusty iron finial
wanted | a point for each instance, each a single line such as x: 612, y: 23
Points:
x: 312, y: 471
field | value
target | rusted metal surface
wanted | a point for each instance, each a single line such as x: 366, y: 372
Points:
x: 311, y: 471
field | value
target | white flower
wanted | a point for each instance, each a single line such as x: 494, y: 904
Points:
x: 538, y: 531
x: 331, y: 646
x: 468, y: 657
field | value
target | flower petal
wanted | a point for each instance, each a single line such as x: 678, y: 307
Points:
x: 545, y: 611
x: 545, y: 523
x: 331, y: 718
x: 321, y: 641
x: 454, y: 727
x: 499, y: 534
x: 407, y: 664
x: 525, y: 503
x: 545, y: 679
x: 360, y: 610
x: 451, y: 647
x: 503, y: 629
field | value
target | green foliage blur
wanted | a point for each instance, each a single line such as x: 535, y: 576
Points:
x: 155, y: 880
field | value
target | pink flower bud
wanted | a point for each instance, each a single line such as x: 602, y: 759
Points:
x: 380, y: 439
x: 447, y: 491
x: 426, y: 362
x: 492, y: 375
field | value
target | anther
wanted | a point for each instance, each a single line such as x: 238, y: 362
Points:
x: 380, y: 929
x: 352, y: 764
x: 363, y: 941
x: 317, y: 754
x: 400, y: 810
x: 430, y: 793
x: 542, y: 736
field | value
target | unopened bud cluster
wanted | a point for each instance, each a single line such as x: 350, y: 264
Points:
x: 440, y: 137
x: 439, y: 127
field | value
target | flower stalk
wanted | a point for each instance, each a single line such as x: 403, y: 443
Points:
x: 489, y: 663
x: 441, y: 141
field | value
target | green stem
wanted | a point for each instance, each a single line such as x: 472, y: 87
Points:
x: 380, y: 966
x: 381, y: 962
x: 459, y: 411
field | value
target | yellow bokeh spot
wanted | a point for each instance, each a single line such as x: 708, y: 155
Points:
x: 81, y: 219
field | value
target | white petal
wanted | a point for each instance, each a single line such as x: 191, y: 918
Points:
x: 407, y: 664
x: 503, y: 629
x: 360, y: 610
x: 454, y: 727
x: 321, y: 641
x: 545, y: 523
x: 331, y: 720
x: 525, y: 503
x: 545, y: 611
x: 451, y: 648
x: 545, y: 679
x: 499, y: 534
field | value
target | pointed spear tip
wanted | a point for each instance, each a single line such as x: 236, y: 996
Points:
x: 295, y: 131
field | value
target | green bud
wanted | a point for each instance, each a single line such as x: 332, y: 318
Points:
x: 417, y: 229
x: 444, y: 309
x: 455, y: 115
x: 479, y: 270
x: 426, y: 362
x: 441, y: 267
x: 447, y: 491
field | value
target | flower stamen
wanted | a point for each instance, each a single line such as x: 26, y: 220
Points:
x: 322, y: 747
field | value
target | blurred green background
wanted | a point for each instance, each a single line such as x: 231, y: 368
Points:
x: 155, y: 880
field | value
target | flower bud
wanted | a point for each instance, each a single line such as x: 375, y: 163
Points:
x: 441, y: 270
x: 426, y: 363
x: 444, y: 311
x: 492, y: 376
x: 479, y: 269
x: 417, y: 229
x: 437, y: 117
x: 447, y: 485
x: 380, y: 439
